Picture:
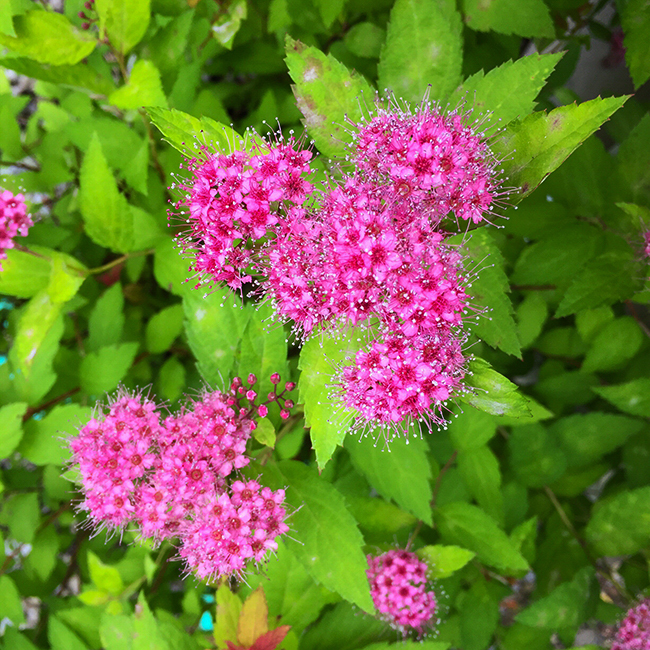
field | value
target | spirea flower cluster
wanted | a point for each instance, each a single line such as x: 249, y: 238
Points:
x: 398, y: 586
x: 176, y: 476
x: 369, y: 249
x: 14, y: 221
x: 634, y: 631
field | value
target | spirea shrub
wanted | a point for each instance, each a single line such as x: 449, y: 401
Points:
x: 634, y: 631
x: 14, y: 221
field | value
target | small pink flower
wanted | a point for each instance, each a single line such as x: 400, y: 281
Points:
x: 634, y: 631
x: 398, y: 586
x: 14, y: 221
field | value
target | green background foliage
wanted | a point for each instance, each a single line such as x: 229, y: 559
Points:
x: 532, y: 509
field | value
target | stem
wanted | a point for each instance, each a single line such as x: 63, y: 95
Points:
x: 119, y: 260
x: 633, y: 312
x: 41, y: 407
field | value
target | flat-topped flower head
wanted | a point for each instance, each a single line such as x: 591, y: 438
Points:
x: 398, y: 586
x: 14, y: 221
x: 634, y: 631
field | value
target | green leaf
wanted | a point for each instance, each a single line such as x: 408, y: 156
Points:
x: 532, y: 313
x: 21, y: 513
x: 632, y: 397
x: 492, y: 392
x: 104, y: 577
x: 123, y: 21
x: 399, y: 470
x: 17, y: 641
x: 214, y: 326
x: 107, y: 215
x: 489, y: 291
x: 67, y: 274
x: 536, y: 145
x: 228, y: 610
x: 62, y: 637
x: 443, y: 561
x: 535, y: 456
x: 365, y: 40
x: 171, y: 379
x: 79, y: 76
x: 265, y: 432
x: 508, y: 91
x: 604, y: 280
x: 143, y: 88
x: 117, y: 632
x: 614, y: 346
x: 327, y: 94
x: 48, y: 37
x: 423, y: 48
x: 171, y: 269
x: 479, y: 468
x: 43, y: 557
x: 471, y: 429
x: 529, y: 18
x: 188, y: 134
x: 566, y: 606
x: 378, y: 516
x: 523, y: 536
x: 11, y: 417
x: 468, y: 526
x: 101, y: 371
x: 25, y: 274
x: 328, y: 420
x: 479, y: 617
x: 263, y: 349
x: 589, y: 322
x: 321, y: 516
x: 227, y: 25
x: 621, y: 524
x: 106, y: 320
x: 163, y: 328
x: 635, y: 20
x: 410, y: 645
x: 45, y: 442
x: 634, y: 161
x: 10, y: 603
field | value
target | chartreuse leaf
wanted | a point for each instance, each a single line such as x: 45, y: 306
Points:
x: 43, y: 558
x: 171, y: 269
x: 103, y: 576
x: 606, y: 279
x: 78, y: 76
x: 253, y: 619
x: 586, y: 437
x: 534, y: 146
x: 321, y: 516
x: 16, y: 641
x: 44, y: 441
x: 327, y: 94
x: 48, y: 37
x: 25, y: 274
x: 265, y: 432
x: 225, y: 28
x: 365, y: 40
x: 227, y: 616
x: 443, y: 561
x: 37, y: 339
x: 61, y: 637
x: 528, y: 18
x: 535, y: 455
x: 106, y: 320
x: 328, y: 420
x: 632, y: 397
x: 117, y: 632
x: 10, y: 604
x: 188, y: 134
x: 566, y: 606
x: 423, y: 49
x: 163, y: 328
x: 123, y: 21
x: 488, y: 290
x: 144, y: 88
x: 399, y: 470
x: 107, y: 215
x: 635, y: 19
x: 214, y: 325
x: 508, y: 91
x: 171, y: 379
x: 480, y: 471
x: 492, y: 392
x: 292, y: 595
x: 378, y: 516
x: 100, y: 372
x: 470, y: 527
x: 621, y: 524
x: 263, y: 349
x: 11, y: 417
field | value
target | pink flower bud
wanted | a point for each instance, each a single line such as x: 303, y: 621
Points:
x: 251, y: 395
x: 275, y: 378
x: 252, y: 379
x: 288, y: 404
x: 284, y: 414
x: 290, y: 385
x: 262, y: 411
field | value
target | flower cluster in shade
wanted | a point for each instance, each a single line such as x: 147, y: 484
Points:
x: 634, y: 631
x: 369, y: 249
x: 398, y: 586
x: 177, y: 476
x: 14, y: 221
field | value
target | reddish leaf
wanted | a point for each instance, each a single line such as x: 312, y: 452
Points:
x: 271, y: 640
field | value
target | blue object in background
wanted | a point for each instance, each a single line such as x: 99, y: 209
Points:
x: 206, y: 624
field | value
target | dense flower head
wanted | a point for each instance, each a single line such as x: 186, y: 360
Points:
x: 176, y: 476
x: 646, y: 242
x: 398, y: 586
x: 634, y: 631
x: 14, y: 220
x: 368, y: 249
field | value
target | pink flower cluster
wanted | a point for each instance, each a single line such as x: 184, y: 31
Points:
x: 398, y: 586
x: 634, y: 631
x: 367, y: 250
x: 173, y: 476
x: 14, y: 220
